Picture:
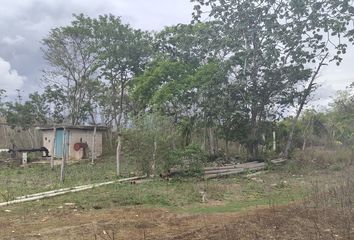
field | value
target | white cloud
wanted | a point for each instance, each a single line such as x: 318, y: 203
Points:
x: 13, y: 40
x: 10, y: 80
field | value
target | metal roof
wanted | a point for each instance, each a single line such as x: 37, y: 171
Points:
x: 91, y: 127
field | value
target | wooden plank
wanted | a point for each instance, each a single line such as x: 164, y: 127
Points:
x: 241, y: 165
x: 234, y: 172
x: 228, y: 172
x: 219, y: 171
x: 278, y: 161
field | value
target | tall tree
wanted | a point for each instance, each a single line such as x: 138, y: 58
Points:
x: 187, y: 81
x: 71, y: 55
x: 273, y: 47
x: 122, y: 52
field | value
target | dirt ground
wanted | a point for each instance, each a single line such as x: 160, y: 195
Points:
x: 70, y: 222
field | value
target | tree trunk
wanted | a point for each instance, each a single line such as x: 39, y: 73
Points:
x: 304, y: 144
x: 121, y: 104
x: 211, y: 142
x: 303, y: 100
x: 253, y: 141
x: 291, y: 135
x: 227, y: 152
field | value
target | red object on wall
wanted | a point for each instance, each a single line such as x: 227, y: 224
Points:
x: 78, y: 146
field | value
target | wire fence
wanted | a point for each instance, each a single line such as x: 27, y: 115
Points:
x: 20, y: 137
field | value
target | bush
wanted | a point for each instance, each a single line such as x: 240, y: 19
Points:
x: 191, y: 158
x: 148, y: 145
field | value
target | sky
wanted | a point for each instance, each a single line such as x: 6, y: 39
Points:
x: 23, y: 23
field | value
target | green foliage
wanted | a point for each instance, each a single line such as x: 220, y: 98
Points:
x: 191, y: 158
x: 123, y: 53
x: 339, y: 120
x: 230, y: 77
x: 149, y: 143
x: 32, y: 112
x: 71, y: 75
x: 266, y: 74
x: 155, y: 146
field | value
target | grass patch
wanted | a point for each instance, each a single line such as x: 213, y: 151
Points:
x: 279, y: 185
x: 16, y: 181
x: 277, y: 197
x: 183, y: 195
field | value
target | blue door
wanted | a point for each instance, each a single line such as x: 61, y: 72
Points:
x: 59, y: 139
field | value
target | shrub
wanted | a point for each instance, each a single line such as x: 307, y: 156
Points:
x: 191, y: 158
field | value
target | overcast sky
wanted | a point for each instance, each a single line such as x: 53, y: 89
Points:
x: 23, y: 23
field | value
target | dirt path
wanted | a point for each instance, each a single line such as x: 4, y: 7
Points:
x: 288, y: 222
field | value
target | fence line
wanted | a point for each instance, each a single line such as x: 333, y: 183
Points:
x: 23, y: 138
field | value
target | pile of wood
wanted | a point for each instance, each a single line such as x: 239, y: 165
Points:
x: 215, y: 172
x: 226, y: 170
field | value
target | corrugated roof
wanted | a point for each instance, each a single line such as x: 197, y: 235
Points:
x: 47, y: 128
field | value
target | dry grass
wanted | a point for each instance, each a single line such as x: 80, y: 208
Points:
x: 318, y: 158
x: 266, y: 206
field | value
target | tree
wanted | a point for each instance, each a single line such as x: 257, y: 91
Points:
x: 39, y: 107
x: 71, y: 55
x: 273, y: 47
x: 123, y: 53
x: 187, y: 81
x: 340, y: 118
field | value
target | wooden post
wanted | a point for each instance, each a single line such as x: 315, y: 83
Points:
x: 63, y: 160
x: 264, y: 142
x: 93, y: 152
x: 211, y: 142
x: 67, y: 149
x: 274, y: 142
x: 154, y: 157
x: 119, y: 149
x: 53, y: 149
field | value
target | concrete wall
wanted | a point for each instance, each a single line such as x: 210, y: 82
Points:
x: 76, y: 136
x: 48, y: 139
x: 85, y: 136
